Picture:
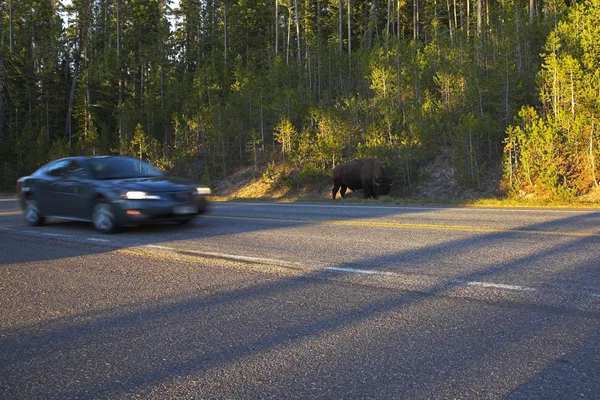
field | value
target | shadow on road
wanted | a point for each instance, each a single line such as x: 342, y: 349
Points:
x: 400, y: 344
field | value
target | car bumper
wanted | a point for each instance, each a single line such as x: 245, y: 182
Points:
x: 146, y: 211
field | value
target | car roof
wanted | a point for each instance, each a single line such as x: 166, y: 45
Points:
x: 82, y: 158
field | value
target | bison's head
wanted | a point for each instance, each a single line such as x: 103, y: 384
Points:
x: 382, y: 185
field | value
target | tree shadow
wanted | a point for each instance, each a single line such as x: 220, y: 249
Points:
x: 204, y: 227
x: 331, y: 332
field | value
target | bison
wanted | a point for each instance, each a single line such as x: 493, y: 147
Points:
x: 366, y: 174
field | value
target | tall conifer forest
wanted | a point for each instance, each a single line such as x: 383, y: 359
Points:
x: 202, y: 87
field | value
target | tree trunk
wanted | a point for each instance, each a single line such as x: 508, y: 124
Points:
x: 340, y: 18
x: 2, y: 94
x: 531, y: 10
x: 349, y: 42
x: 88, y: 108
x: 10, y: 27
x: 298, y: 33
x: 120, y: 105
x: 371, y: 23
x: 387, y: 24
x: 225, y: 34
x: 262, y: 124
x: 593, y: 156
x: 479, y: 17
x: 455, y: 11
x: 69, y: 127
x: 289, y: 34
x: 141, y: 79
x: 318, y: 49
x: 349, y: 29
x: 416, y: 18
x: 506, y: 94
x: 450, y: 28
x: 468, y: 23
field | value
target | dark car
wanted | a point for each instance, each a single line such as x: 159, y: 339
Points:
x: 109, y: 191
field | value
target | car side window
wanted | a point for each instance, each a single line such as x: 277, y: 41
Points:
x: 58, y: 168
x: 66, y: 168
x: 76, y: 169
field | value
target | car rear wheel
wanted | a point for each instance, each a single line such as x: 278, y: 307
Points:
x: 103, y: 218
x: 32, y: 213
x: 186, y: 220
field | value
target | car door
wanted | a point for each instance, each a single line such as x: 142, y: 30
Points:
x: 48, y: 188
x: 71, y: 189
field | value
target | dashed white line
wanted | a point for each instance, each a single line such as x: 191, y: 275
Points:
x: 488, y: 285
x: 155, y: 246
x: 500, y: 286
x: 359, y: 271
x: 236, y: 257
x: 468, y: 283
x: 53, y: 234
x: 98, y: 240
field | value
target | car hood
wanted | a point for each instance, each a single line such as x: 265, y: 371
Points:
x: 156, y: 184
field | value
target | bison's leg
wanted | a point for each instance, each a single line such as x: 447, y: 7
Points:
x: 374, y: 193
x: 343, y: 191
x: 367, y: 191
x: 334, y: 191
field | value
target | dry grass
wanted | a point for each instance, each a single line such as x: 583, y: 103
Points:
x: 247, y: 184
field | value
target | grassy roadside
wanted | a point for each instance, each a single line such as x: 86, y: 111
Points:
x: 244, y: 185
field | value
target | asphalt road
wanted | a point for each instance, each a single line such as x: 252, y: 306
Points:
x: 323, y: 301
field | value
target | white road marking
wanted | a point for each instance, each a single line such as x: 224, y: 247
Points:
x: 53, y: 234
x: 155, y: 246
x: 271, y: 261
x: 468, y: 283
x: 236, y: 257
x: 359, y: 271
x: 500, y: 286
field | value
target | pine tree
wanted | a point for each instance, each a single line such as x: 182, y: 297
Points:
x: 558, y: 154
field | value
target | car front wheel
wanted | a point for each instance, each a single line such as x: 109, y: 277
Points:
x: 104, y: 218
x: 32, y: 213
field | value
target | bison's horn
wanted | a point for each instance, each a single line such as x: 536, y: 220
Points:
x: 377, y: 181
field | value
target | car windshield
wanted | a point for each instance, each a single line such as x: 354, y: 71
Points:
x: 121, y: 168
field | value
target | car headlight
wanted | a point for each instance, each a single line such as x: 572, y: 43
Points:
x: 203, y: 190
x: 136, y: 195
